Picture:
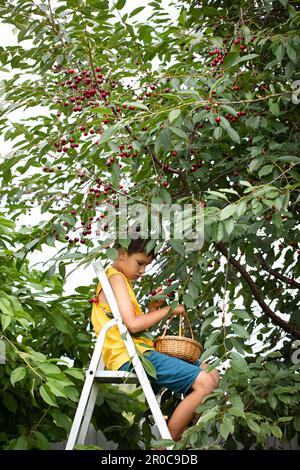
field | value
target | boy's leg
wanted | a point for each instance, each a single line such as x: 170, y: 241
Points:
x: 204, y: 384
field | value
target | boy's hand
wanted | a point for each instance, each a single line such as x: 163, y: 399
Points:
x: 179, y: 310
x: 155, y: 304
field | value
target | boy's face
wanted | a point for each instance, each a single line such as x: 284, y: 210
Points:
x: 133, y: 266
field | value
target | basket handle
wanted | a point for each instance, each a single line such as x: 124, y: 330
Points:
x: 186, y: 319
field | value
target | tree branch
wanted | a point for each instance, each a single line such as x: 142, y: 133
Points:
x: 286, y: 326
x: 186, y: 187
x: 294, y: 284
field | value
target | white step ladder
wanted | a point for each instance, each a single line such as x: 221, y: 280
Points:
x: 96, y: 374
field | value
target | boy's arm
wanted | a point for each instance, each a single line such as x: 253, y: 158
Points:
x: 134, y: 323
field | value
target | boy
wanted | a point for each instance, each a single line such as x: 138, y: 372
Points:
x: 175, y: 374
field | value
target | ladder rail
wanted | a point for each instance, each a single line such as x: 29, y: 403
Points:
x: 88, y: 385
x: 143, y: 378
x: 89, y: 392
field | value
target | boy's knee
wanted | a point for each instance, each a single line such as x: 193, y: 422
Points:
x: 213, y: 373
x: 204, y: 382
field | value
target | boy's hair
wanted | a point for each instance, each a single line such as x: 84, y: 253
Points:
x: 137, y: 246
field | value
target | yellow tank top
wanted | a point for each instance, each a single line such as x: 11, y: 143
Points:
x: 114, y: 352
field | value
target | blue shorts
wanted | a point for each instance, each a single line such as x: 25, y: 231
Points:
x: 171, y: 372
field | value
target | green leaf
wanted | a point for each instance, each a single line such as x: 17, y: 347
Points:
x: 17, y: 375
x: 21, y: 443
x: 240, y: 331
x: 68, y: 218
x: 193, y: 290
x: 241, y: 208
x: 6, y: 307
x: 174, y: 114
x: 57, y: 389
x: 279, y: 52
x: 229, y: 225
x: 296, y: 423
x: 208, y: 416
x: 208, y: 353
x: 211, y: 339
x: 164, y: 139
x: 237, y: 345
x: 274, y: 107
x: 241, y: 59
x: 76, y: 373
x: 108, y: 133
x: 47, y: 396
x: 218, y: 132
x: 112, y: 253
x: 62, y: 325
x: 120, y: 4
x: 291, y: 52
x: 61, y: 420
x: 253, y: 426
x: 227, y: 427
x: 217, y: 194
x: 41, y: 441
x: 266, y: 170
x: 148, y: 366
x: 233, y: 135
x: 5, y: 321
x: 276, y: 431
x: 136, y: 11
x: 179, y: 132
x: 228, y: 109
x: 238, y: 363
x: 237, y: 402
x: 227, y: 212
x: 10, y: 402
x: 102, y: 110
x: 137, y: 105
x: 255, y: 164
x: 188, y: 301
x: 178, y: 246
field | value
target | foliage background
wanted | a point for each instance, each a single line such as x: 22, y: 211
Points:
x: 208, y: 118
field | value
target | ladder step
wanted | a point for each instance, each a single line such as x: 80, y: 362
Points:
x: 116, y: 377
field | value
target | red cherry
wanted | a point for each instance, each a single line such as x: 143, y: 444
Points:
x: 71, y: 71
x: 218, y: 119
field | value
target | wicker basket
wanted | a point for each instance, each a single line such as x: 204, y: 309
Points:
x: 181, y: 347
